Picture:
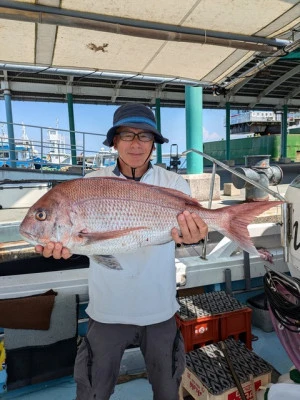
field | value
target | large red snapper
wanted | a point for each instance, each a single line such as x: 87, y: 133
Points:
x: 106, y: 216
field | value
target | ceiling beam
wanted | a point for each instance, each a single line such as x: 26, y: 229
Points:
x: 38, y: 13
x: 275, y: 84
x: 98, y: 94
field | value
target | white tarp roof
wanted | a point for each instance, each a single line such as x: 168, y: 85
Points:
x: 50, y: 42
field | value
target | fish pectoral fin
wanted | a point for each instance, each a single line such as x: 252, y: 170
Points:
x: 98, y: 236
x: 108, y: 261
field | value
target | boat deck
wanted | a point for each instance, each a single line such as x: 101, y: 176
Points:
x: 267, y: 346
x: 140, y: 389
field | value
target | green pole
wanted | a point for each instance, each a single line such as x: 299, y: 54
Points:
x: 10, y: 128
x: 158, y: 123
x: 284, y: 131
x: 194, y: 135
x: 227, y: 131
x: 72, y: 128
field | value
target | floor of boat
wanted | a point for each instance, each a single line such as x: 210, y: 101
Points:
x: 267, y: 346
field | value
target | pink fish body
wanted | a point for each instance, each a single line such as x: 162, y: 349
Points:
x: 106, y: 216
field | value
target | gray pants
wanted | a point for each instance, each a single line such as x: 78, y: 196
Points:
x: 99, y: 356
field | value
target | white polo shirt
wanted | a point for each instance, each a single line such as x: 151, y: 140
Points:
x: 144, y: 291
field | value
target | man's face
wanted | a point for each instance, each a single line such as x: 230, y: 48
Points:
x: 134, y: 152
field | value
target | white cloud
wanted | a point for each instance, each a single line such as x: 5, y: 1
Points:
x: 210, y: 137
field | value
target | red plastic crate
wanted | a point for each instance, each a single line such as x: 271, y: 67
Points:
x: 199, y: 332
x: 237, y: 324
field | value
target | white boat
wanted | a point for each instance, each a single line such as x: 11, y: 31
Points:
x: 24, y: 151
x: 102, y: 159
x: 53, y: 152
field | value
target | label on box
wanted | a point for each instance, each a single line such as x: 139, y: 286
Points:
x: 195, y: 387
x: 247, y: 391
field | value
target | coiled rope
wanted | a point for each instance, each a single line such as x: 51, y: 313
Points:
x: 284, y: 299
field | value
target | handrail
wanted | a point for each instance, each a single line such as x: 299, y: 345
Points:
x: 234, y: 172
x: 284, y: 206
x: 59, y: 148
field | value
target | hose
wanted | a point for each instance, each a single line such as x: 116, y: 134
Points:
x: 287, y: 312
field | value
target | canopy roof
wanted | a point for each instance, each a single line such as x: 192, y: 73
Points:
x: 240, y: 51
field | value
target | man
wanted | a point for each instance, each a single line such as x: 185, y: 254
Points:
x: 134, y: 306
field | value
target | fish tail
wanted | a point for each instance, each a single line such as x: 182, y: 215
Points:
x: 233, y: 223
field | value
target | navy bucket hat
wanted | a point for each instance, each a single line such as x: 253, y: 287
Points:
x: 136, y: 116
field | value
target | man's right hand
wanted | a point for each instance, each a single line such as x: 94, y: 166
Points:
x: 56, y: 250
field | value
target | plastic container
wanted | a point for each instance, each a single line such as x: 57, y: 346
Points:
x: 237, y: 324
x: 199, y: 332
x: 280, y: 391
x: 260, y: 313
x: 211, y: 317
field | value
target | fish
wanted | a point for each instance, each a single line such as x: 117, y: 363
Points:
x: 101, y: 217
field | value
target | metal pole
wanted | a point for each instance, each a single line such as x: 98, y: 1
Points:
x: 233, y: 171
x: 284, y: 132
x: 72, y: 128
x: 158, y: 124
x: 211, y: 192
x: 227, y: 131
x: 10, y: 128
x: 42, y: 149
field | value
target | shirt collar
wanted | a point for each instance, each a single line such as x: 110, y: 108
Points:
x: 117, y: 171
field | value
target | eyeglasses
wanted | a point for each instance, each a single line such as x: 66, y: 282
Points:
x: 130, y: 136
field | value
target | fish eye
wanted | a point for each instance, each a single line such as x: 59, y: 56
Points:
x: 41, y: 215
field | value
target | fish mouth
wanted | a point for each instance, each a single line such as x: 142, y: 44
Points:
x: 27, y: 236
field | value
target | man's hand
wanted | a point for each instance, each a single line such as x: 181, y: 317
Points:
x: 56, y: 250
x: 192, y: 227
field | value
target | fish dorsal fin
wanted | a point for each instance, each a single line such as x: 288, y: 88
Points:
x: 189, y: 201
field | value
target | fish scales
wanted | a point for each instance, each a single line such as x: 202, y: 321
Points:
x: 105, y: 216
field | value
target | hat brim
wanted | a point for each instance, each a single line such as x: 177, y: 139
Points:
x: 158, y: 138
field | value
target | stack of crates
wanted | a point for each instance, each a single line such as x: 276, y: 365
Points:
x: 211, y: 317
x: 208, y: 375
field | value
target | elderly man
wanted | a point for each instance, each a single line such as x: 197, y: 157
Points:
x: 134, y: 306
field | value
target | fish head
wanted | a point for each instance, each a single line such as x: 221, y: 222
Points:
x: 47, y: 221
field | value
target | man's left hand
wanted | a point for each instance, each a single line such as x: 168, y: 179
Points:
x: 192, y: 228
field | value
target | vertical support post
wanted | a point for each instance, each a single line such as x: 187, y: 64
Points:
x: 10, y: 128
x: 158, y: 124
x: 194, y: 135
x: 72, y: 128
x: 284, y: 132
x: 227, y: 130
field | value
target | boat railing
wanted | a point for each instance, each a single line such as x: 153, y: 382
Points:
x: 44, y: 148
x: 284, y: 206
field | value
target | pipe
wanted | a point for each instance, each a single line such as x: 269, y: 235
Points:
x: 57, y: 16
x: 106, y: 75
x: 284, y: 206
x: 234, y: 172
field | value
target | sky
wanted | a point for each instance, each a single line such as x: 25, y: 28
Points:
x: 98, y: 119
